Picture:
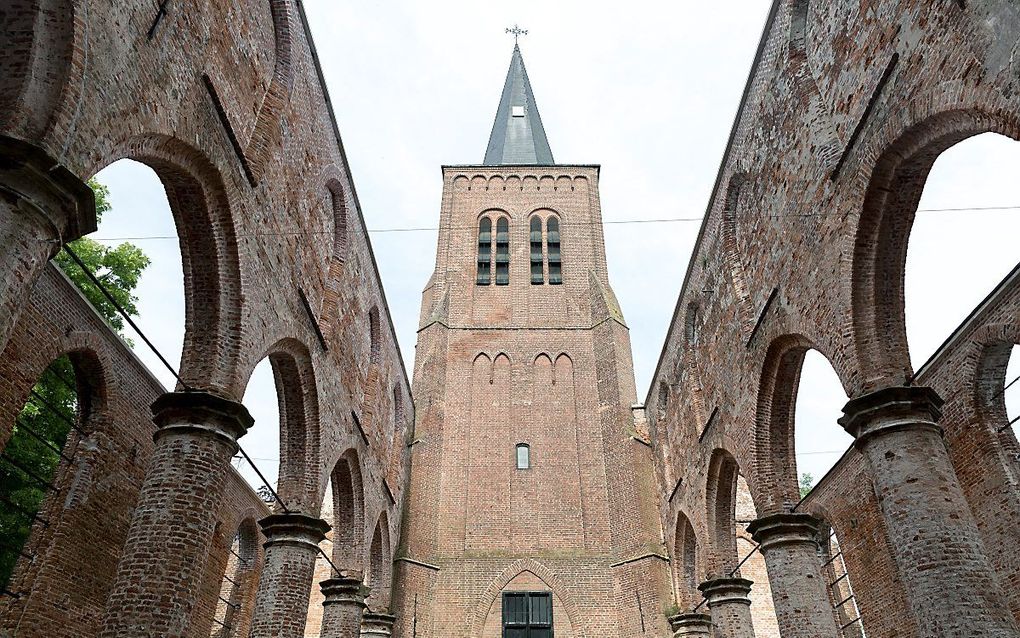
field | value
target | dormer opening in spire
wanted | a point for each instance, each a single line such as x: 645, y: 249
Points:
x: 518, y: 136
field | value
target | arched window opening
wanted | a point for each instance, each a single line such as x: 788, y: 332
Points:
x: 662, y: 403
x: 348, y: 511
x: 819, y: 441
x: 281, y: 396
x: 374, y: 336
x: 692, y: 323
x: 523, y: 456
x: 839, y: 586
x: 537, y: 265
x: 263, y: 440
x: 685, y: 563
x: 502, y: 251
x: 958, y: 249
x: 484, y: 272
x: 553, y: 251
x: 379, y: 564
x: 235, y: 588
x: 338, y: 205
x: 32, y: 461
x: 721, y: 504
x: 1011, y: 394
x: 148, y: 274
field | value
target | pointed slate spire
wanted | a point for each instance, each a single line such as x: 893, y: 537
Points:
x: 517, y: 134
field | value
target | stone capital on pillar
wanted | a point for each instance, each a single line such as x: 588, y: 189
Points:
x: 783, y: 529
x: 720, y: 591
x: 294, y: 529
x: 377, y: 623
x: 345, y: 589
x: 891, y: 409
x: 691, y: 624
x: 46, y: 191
x: 195, y: 412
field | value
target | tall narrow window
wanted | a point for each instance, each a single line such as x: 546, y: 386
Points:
x: 523, y: 456
x: 502, y: 251
x: 537, y: 274
x: 527, y: 614
x: 484, y: 277
x: 553, y: 249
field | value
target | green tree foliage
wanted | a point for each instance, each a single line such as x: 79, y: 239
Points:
x: 117, y: 267
x: 32, y: 455
x: 807, y: 483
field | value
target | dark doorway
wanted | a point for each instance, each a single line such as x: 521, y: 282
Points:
x: 527, y: 615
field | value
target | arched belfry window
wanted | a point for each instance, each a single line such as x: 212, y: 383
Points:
x: 552, y: 242
x: 535, y: 235
x: 484, y: 277
x: 502, y: 251
x: 523, y: 456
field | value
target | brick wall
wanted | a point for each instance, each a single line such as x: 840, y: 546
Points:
x: 803, y: 247
x: 225, y: 102
x: 544, y: 365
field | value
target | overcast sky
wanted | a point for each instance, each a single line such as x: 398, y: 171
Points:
x: 648, y: 90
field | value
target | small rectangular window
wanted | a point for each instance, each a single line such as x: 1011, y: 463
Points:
x: 517, y: 111
x: 523, y: 457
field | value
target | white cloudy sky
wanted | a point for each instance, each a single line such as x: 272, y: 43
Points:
x: 646, y: 89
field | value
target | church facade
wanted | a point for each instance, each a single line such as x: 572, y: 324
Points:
x: 531, y: 507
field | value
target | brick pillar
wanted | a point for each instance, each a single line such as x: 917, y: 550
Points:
x: 728, y: 601
x: 42, y: 204
x: 292, y: 545
x: 161, y: 567
x: 377, y: 623
x: 799, y: 590
x: 691, y: 625
x: 938, y: 551
x: 343, y: 606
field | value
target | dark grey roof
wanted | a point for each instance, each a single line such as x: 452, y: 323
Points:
x: 517, y: 134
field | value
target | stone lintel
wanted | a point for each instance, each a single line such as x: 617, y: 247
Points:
x: 782, y: 529
x: 201, y: 411
x: 719, y: 591
x: 294, y: 529
x: 43, y: 187
x: 891, y: 409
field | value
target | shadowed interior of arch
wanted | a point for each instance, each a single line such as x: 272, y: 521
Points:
x: 37, y: 459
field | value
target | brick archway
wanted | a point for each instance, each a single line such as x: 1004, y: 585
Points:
x: 513, y: 570
x: 204, y: 219
x: 894, y: 187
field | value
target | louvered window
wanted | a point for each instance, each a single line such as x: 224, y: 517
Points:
x: 484, y: 276
x: 502, y: 251
x: 527, y: 615
x: 553, y: 249
x: 537, y: 275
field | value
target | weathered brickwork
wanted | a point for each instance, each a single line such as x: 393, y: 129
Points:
x: 624, y: 512
x: 803, y: 247
x: 547, y: 366
x: 225, y: 102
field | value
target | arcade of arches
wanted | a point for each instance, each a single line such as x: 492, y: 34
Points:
x: 420, y: 515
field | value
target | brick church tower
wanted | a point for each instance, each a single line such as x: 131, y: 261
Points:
x: 531, y: 509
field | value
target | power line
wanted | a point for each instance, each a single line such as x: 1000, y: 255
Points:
x: 612, y: 222
x: 123, y: 313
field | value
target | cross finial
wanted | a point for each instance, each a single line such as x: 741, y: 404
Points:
x: 517, y: 31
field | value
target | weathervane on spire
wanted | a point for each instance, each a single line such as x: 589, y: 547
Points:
x: 517, y: 31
